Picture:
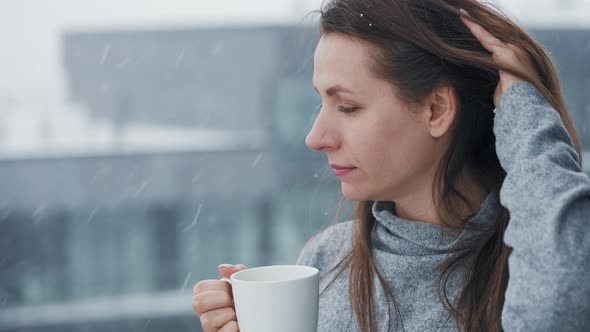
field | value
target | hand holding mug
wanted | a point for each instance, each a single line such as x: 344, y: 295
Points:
x: 213, y: 302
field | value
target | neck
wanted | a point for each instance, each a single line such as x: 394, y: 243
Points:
x: 420, y: 206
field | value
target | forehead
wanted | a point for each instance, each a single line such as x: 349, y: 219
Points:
x: 339, y: 56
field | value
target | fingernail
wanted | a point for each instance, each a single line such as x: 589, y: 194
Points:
x: 464, y: 12
x: 226, y: 266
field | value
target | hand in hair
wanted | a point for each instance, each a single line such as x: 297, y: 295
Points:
x: 503, y: 54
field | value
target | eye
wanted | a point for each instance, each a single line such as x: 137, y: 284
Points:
x: 346, y: 109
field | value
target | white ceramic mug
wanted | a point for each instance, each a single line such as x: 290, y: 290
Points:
x: 279, y: 298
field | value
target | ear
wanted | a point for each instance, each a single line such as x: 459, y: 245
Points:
x: 441, y: 111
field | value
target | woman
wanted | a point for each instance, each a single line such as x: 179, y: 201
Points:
x: 472, y: 207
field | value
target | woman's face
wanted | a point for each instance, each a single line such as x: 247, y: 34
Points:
x: 363, y: 124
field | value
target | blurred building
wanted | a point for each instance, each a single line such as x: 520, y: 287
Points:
x: 224, y: 78
x: 206, y: 164
x: 113, y: 236
x: 231, y: 78
x: 571, y: 51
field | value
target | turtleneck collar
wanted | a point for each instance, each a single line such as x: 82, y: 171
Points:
x: 417, y: 238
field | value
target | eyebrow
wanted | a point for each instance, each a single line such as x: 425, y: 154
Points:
x: 335, y: 89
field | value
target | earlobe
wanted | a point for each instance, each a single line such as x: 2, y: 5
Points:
x: 442, y: 111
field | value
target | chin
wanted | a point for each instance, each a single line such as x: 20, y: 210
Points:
x: 355, y: 194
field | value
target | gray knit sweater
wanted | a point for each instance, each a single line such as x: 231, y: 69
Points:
x: 548, y: 197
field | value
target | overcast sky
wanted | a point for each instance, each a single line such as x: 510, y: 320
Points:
x: 30, y: 66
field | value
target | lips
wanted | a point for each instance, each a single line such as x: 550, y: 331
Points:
x: 342, y: 170
x: 338, y: 167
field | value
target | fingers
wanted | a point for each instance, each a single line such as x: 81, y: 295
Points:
x: 487, y: 40
x: 216, y: 320
x: 211, y: 300
x: 208, y: 285
x: 230, y: 327
x: 502, y: 53
x: 226, y: 270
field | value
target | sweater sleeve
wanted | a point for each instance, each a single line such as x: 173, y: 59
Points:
x: 548, y: 197
x: 309, y: 251
x: 327, y: 247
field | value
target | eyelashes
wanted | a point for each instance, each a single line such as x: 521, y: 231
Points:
x: 346, y: 109
x: 343, y: 109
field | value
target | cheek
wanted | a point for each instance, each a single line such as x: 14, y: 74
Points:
x: 398, y: 151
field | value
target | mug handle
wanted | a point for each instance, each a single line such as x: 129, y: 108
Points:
x: 228, y: 280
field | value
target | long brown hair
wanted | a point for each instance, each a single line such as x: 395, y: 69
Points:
x: 420, y: 46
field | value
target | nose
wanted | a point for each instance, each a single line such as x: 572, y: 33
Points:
x: 322, y: 135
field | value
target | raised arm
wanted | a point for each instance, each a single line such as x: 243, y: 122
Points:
x: 548, y: 197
